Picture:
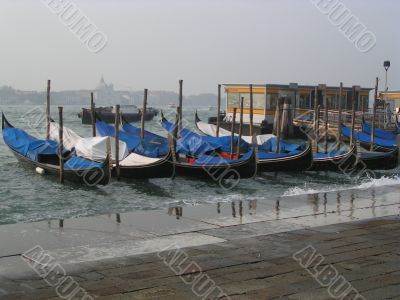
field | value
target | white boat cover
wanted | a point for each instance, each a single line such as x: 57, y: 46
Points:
x: 93, y: 148
x: 70, y: 137
x: 134, y: 159
x: 211, y: 130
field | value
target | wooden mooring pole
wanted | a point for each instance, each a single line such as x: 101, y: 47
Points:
x: 240, y: 127
x: 316, y: 119
x: 325, y: 102
x: 233, y: 132
x: 279, y: 125
x: 374, y: 115
x: 218, y: 110
x: 109, y: 155
x: 61, y: 143
x: 48, y: 118
x: 339, y: 141
x: 175, y: 132
x: 180, y: 108
x: 116, y: 135
x: 251, y: 110
x: 93, y: 114
x: 353, y: 114
x: 143, y: 113
x: 362, y: 106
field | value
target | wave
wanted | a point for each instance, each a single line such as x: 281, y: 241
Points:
x: 365, y: 184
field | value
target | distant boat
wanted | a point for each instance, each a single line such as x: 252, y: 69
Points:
x: 172, y: 105
x: 211, y: 108
x: 107, y: 114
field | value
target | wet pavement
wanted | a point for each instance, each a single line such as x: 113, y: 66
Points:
x: 245, y: 248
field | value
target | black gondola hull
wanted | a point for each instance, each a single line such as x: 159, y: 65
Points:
x: 160, y: 169
x: 238, y: 170
x: 342, y: 163
x: 300, y: 162
x: 387, y: 161
x: 90, y: 177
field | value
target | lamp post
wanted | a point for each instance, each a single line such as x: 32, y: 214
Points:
x: 386, y: 65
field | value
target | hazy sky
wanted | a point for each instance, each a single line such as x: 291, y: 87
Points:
x: 154, y: 43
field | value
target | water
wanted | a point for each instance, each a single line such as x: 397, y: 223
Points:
x: 26, y: 196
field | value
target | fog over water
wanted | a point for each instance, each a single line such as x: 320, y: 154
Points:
x: 154, y: 43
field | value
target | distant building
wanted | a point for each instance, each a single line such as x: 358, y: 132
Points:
x: 302, y: 97
x: 105, y: 92
x: 393, y: 98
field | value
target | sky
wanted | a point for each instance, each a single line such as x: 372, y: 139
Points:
x: 154, y: 43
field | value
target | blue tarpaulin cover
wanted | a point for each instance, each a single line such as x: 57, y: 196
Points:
x: 269, y: 146
x: 148, y: 136
x: 366, y: 138
x: 379, y: 133
x: 135, y: 144
x: 330, y: 154
x: 78, y: 163
x: 273, y: 155
x: 205, y: 160
x: 194, y: 144
x: 31, y: 147
x: 27, y: 145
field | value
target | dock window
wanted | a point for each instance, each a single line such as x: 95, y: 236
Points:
x: 234, y: 100
x: 304, y: 101
x: 273, y: 101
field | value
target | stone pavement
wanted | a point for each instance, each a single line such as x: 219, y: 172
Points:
x: 296, y: 255
x: 366, y: 253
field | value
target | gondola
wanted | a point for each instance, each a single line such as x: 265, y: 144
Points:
x: 290, y: 157
x: 380, y: 145
x: 204, y: 162
x: 378, y: 160
x: 337, y: 160
x: 131, y: 165
x: 217, y: 168
x: 295, y: 160
x: 42, y: 155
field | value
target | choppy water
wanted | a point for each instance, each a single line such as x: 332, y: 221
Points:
x: 26, y: 196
